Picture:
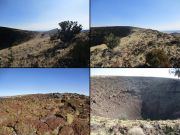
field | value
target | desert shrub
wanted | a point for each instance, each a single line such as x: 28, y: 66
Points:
x: 168, y: 130
x: 81, y: 53
x: 68, y: 30
x: 53, y: 37
x: 42, y: 35
x: 151, y: 43
x: 175, y: 42
x: 157, y: 58
x: 111, y: 40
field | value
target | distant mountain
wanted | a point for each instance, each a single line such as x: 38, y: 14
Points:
x: 172, y: 31
x: 51, y: 32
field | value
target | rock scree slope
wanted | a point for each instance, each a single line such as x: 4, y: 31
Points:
x: 135, y: 106
x: 135, y: 98
x: 45, y: 114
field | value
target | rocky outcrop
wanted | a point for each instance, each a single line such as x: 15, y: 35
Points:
x: 104, y: 126
x: 48, y: 114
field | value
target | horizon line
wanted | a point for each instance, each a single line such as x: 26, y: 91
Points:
x: 133, y: 76
x: 42, y: 93
x: 95, y: 26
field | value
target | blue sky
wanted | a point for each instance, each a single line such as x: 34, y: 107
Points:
x: 156, y: 14
x: 19, y: 81
x: 42, y: 14
x: 143, y: 72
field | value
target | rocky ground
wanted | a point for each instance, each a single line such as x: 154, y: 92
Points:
x: 105, y: 126
x: 134, y: 44
x: 47, y: 114
x: 41, y: 50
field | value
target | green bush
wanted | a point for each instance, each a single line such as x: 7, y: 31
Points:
x: 68, y: 30
x: 81, y: 53
x: 157, y: 58
x: 111, y: 41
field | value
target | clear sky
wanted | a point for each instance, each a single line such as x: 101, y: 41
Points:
x: 19, y: 81
x: 145, y: 72
x: 42, y: 14
x: 155, y: 14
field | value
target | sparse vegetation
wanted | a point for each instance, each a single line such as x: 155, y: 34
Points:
x: 111, y: 40
x: 45, y: 49
x: 106, y: 126
x: 134, y: 44
x: 68, y: 30
x: 80, y: 53
x: 157, y: 58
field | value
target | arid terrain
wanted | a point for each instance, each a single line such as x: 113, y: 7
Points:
x: 135, y: 106
x: 133, y: 47
x: 45, y: 114
x: 20, y: 48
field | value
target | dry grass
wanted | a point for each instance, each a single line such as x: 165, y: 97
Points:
x: 40, y: 51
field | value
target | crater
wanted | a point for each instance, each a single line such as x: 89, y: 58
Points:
x: 134, y: 98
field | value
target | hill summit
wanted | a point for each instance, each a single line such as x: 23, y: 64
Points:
x: 136, y: 47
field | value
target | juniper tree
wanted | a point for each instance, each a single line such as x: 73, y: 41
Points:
x: 68, y: 30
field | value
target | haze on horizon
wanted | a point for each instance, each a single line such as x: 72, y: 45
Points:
x: 23, y: 81
x: 43, y: 15
x: 161, y: 15
x: 136, y: 72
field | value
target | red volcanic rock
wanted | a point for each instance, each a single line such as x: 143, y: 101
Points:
x: 55, y: 122
x: 66, y: 131
x: 43, y: 128
x: 42, y: 114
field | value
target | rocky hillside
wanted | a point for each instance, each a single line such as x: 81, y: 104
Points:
x: 135, y: 98
x: 11, y: 37
x: 40, y: 49
x: 135, y: 106
x: 47, y: 114
x: 105, y: 126
x: 133, y: 47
